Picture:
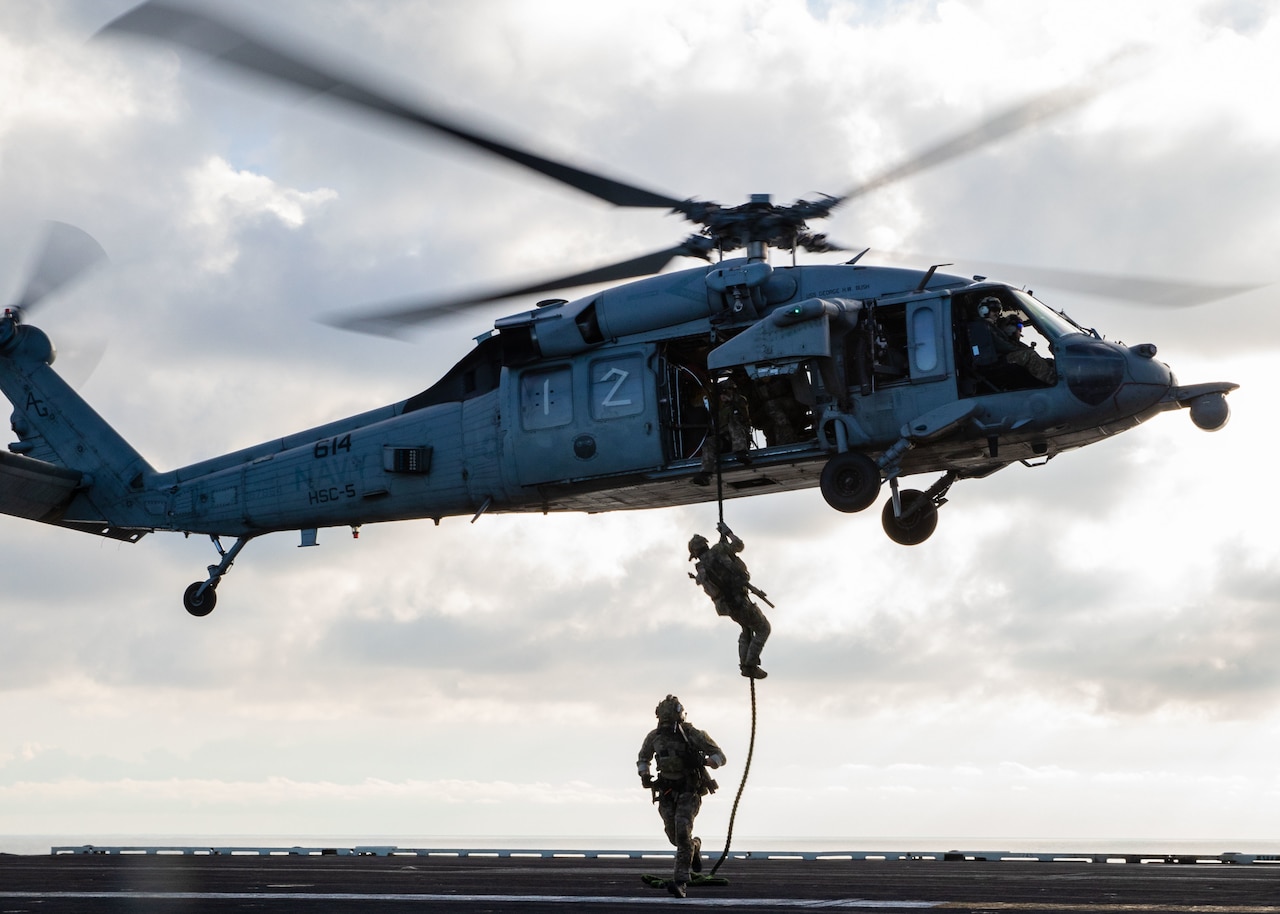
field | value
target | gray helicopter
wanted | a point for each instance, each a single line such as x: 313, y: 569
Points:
x: 843, y: 376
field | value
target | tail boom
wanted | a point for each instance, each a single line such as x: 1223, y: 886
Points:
x: 69, y: 466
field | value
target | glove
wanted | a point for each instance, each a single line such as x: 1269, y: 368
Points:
x: 646, y: 780
x: 723, y: 528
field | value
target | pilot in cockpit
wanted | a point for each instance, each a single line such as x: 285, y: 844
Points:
x: 1008, y: 342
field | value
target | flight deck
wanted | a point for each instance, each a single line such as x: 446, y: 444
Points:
x: 326, y: 880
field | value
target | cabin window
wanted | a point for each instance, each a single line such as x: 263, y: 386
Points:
x: 546, y: 399
x: 617, y: 387
x: 924, y: 335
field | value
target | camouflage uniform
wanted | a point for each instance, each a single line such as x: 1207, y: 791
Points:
x: 681, y: 751
x: 1008, y: 342
x: 783, y: 416
x: 733, y: 427
x: 724, y: 577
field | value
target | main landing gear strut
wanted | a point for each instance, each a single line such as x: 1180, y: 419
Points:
x: 201, y: 597
x: 851, y: 480
x: 911, y: 516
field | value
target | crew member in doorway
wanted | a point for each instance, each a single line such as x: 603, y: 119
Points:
x: 682, y: 753
x: 730, y: 430
x: 783, y: 414
x: 724, y: 577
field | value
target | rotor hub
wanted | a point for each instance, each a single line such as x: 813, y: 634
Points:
x: 761, y: 222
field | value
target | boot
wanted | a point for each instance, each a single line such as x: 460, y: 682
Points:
x: 676, y: 889
x: 752, y: 671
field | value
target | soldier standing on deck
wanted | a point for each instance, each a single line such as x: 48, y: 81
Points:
x: 681, y: 752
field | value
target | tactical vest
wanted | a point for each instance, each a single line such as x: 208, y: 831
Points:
x: 724, y: 568
x: 676, y: 759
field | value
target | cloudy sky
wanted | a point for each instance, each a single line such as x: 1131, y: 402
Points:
x: 1085, y: 650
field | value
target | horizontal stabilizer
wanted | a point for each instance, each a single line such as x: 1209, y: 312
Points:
x: 36, y: 490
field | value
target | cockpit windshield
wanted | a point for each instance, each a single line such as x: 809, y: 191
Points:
x: 1049, y: 322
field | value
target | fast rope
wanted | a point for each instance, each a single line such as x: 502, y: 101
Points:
x: 751, y: 746
x: 719, y: 445
x: 746, y: 769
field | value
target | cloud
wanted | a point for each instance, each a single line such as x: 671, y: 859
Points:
x: 1092, y: 634
x: 224, y: 199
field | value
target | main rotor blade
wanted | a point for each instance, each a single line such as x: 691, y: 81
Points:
x: 1013, y: 120
x: 1143, y: 290
x: 395, y: 319
x: 66, y: 254
x: 241, y: 49
x: 1140, y: 289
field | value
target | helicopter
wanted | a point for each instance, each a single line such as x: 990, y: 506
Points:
x: 846, y: 376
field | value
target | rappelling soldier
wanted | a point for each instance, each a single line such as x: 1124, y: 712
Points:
x: 724, y: 577
x: 682, y: 753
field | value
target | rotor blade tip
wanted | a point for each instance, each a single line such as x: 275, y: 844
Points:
x: 386, y: 328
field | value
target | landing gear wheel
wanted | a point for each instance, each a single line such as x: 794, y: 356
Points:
x: 912, y: 528
x: 850, y: 482
x: 199, y: 605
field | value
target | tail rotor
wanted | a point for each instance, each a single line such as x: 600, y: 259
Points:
x: 66, y: 254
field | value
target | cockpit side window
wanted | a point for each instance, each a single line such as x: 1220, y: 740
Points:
x: 1004, y: 340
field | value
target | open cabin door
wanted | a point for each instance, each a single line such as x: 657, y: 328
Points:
x: 593, y: 415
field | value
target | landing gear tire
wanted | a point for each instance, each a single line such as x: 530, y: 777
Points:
x: 850, y: 482
x: 200, y: 605
x: 913, y: 528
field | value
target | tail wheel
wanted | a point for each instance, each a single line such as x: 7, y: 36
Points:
x: 919, y: 518
x: 850, y: 482
x: 202, y: 604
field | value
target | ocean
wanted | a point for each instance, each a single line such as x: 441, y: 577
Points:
x: 42, y: 844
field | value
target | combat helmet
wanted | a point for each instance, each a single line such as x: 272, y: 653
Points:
x: 669, y: 711
x: 697, y: 545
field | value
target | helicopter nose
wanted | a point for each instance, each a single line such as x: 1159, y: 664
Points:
x: 1147, y: 379
x: 1145, y: 368
x: 1094, y: 370
x: 1131, y: 378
